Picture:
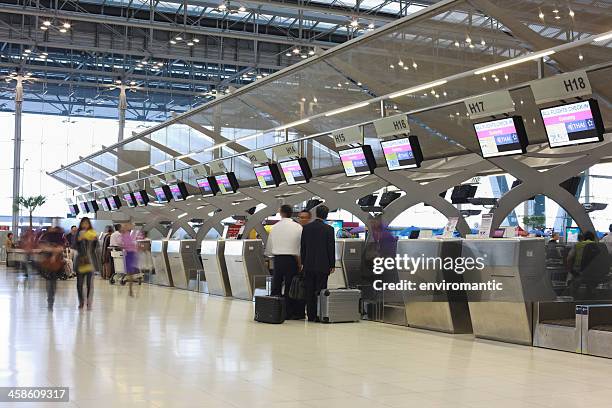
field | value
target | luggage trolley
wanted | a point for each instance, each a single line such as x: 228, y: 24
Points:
x: 120, y: 273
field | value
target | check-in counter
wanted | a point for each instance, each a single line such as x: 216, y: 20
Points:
x: 159, y: 255
x: 244, y: 259
x: 596, y: 326
x: 519, y: 265
x: 184, y: 263
x: 557, y: 326
x: 349, y: 263
x: 441, y: 310
x: 145, y: 261
x: 215, y: 269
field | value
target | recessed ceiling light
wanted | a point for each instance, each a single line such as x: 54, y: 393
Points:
x: 190, y: 43
x: 196, y: 40
x: 371, y: 26
x: 400, y: 63
x: 63, y: 30
x: 468, y: 39
x: 242, y: 9
x: 414, y: 65
x: 541, y: 15
x: 179, y: 38
x: 43, y: 28
x: 288, y: 54
x: 27, y: 51
x: 66, y: 25
x: 456, y: 43
x: 47, y: 23
x: 296, y: 50
x: 172, y: 42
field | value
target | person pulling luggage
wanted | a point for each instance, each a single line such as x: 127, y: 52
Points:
x: 284, y: 244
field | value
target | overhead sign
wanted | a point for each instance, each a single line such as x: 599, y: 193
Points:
x: 172, y: 177
x: 155, y: 181
x: 284, y: 151
x: 347, y: 136
x: 392, y: 125
x: 200, y: 170
x: 134, y: 185
x: 125, y: 188
x: 217, y: 167
x: 257, y: 157
x: 562, y: 86
x: 494, y: 103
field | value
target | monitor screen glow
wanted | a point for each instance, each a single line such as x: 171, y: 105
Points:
x: 225, y: 186
x: 498, y: 138
x: 205, y: 187
x: 264, y: 177
x: 140, y: 200
x: 398, y: 154
x: 112, y: 203
x: 292, y: 170
x: 354, y: 162
x: 160, y: 194
x: 572, y: 124
x: 176, y: 192
x: 129, y: 199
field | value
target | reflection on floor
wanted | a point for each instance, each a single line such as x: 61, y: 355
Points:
x: 172, y: 348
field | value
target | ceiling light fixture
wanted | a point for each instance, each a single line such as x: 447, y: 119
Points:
x: 347, y: 108
x: 604, y: 37
x: 292, y: 124
x: 417, y: 88
x: 541, y: 15
x: 516, y: 61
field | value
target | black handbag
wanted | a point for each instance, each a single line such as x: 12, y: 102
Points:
x: 296, y: 290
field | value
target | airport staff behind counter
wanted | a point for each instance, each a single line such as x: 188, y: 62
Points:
x: 318, y: 255
x: 284, y: 245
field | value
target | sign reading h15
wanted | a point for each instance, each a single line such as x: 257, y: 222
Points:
x: 494, y: 103
x: 392, y: 125
x: 562, y: 86
x: 347, y: 136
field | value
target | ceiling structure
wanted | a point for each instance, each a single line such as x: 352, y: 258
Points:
x: 424, y: 64
x: 173, y: 55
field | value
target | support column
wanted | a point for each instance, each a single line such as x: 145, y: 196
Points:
x: 17, y: 153
x: 122, y: 108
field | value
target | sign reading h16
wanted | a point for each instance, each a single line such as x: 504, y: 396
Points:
x: 562, y: 86
x: 494, y: 103
x: 347, y: 136
x: 392, y: 125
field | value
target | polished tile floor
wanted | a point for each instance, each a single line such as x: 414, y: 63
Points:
x: 172, y: 348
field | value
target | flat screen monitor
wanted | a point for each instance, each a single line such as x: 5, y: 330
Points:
x: 462, y: 193
x: 208, y: 186
x: 74, y: 210
x: 404, y: 153
x: 336, y: 224
x: 227, y: 183
x: 498, y: 233
x: 114, y: 202
x: 571, y: 234
x: 104, y: 204
x: 93, y: 206
x: 296, y: 171
x: 268, y: 176
x: 141, y: 197
x: 358, y: 161
x: 501, y: 137
x: 129, y: 199
x: 179, y: 191
x: 84, y: 207
x: 573, y: 123
x: 162, y: 194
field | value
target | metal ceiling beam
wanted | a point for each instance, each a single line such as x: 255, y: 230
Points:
x: 216, y: 137
x: 159, y: 26
x: 169, y: 151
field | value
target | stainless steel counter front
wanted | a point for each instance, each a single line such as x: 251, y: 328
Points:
x: 349, y: 263
x: 245, y: 264
x: 184, y: 263
x: 440, y: 310
x: 519, y: 264
x: 215, y: 269
x: 159, y: 255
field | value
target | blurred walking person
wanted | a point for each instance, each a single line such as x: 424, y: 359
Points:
x: 86, y: 262
x: 107, y: 270
x: 130, y: 255
x: 52, y: 245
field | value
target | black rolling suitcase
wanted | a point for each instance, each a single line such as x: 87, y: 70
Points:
x: 270, y: 309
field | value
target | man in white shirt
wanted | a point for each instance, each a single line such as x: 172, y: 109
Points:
x: 115, y: 238
x: 608, y: 240
x: 284, y: 244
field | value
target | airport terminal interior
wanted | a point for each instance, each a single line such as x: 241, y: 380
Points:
x: 306, y: 203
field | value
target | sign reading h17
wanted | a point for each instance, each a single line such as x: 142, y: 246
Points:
x: 392, y: 125
x: 562, y: 86
x: 494, y: 103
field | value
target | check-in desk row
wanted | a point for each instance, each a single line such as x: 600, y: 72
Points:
x: 222, y: 267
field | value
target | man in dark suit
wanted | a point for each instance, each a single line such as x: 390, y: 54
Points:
x: 318, y: 255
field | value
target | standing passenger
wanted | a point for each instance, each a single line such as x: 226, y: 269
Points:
x: 304, y: 217
x: 106, y: 256
x: 85, y: 265
x: 318, y: 257
x: 284, y: 245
